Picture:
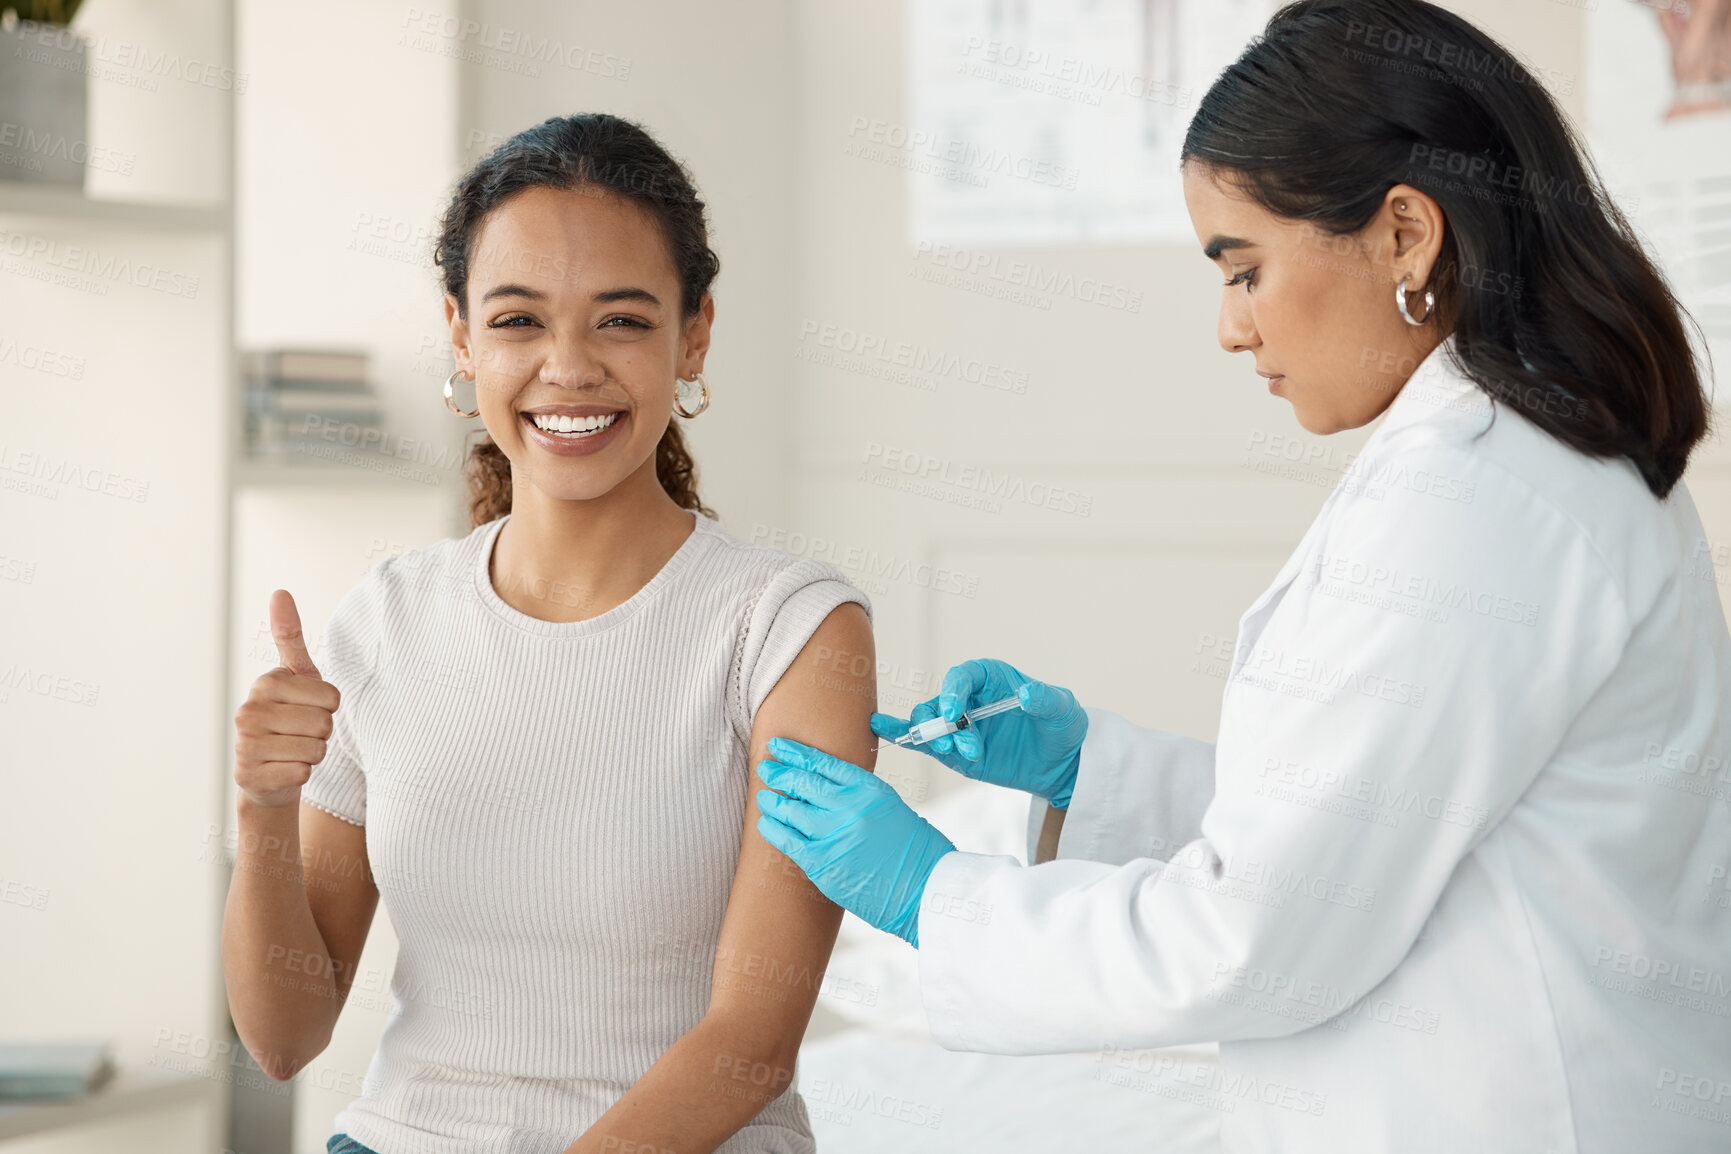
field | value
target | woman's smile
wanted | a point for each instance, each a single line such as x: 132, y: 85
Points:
x: 573, y: 430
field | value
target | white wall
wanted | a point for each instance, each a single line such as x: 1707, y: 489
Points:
x: 715, y: 84
x: 346, y: 157
x: 110, y: 774
x: 1140, y: 412
x: 113, y: 372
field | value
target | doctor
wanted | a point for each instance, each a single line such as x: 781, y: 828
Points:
x: 1452, y: 875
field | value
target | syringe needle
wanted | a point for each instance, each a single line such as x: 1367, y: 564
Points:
x: 930, y: 730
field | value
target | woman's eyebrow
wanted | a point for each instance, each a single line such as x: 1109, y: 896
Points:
x: 607, y: 297
x: 627, y: 294
x: 1220, y: 244
x: 512, y: 290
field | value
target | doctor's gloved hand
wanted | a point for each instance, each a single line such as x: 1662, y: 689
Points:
x: 851, y: 833
x: 1036, y: 749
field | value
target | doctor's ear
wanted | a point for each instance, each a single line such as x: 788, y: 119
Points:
x: 1412, y: 226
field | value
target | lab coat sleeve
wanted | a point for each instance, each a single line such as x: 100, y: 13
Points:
x: 1139, y: 793
x: 1368, y: 743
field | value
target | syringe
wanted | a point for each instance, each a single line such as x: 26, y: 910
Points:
x: 937, y: 727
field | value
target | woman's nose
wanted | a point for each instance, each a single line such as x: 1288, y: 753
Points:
x: 572, y: 364
x: 1237, y: 329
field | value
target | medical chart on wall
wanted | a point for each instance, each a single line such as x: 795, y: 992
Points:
x: 1057, y: 122
x: 1658, y: 96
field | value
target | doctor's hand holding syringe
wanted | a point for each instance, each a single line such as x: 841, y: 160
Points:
x: 989, y: 722
x: 1036, y: 750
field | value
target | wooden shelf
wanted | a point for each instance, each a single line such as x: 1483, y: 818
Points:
x: 62, y: 203
x: 128, y: 1092
x: 254, y: 472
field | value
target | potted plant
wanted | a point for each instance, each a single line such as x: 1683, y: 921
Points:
x: 44, y: 93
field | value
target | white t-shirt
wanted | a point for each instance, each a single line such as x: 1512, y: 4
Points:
x: 553, y: 814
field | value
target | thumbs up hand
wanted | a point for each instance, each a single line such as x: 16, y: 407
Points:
x: 283, y: 724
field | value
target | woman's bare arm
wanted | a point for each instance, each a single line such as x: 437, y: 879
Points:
x: 778, y: 933
x: 299, y: 908
x: 302, y: 897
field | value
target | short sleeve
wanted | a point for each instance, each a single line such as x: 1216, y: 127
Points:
x: 346, y: 658
x: 784, y: 615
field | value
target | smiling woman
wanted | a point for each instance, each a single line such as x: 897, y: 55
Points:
x: 598, y: 950
x: 629, y: 184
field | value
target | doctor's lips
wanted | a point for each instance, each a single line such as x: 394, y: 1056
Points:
x: 565, y: 428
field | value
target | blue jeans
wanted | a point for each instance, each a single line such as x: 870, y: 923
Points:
x: 343, y: 1144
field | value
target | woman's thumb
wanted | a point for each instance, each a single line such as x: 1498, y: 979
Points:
x: 285, y: 630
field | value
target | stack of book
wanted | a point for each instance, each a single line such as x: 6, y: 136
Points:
x: 53, y: 1069
x: 301, y: 398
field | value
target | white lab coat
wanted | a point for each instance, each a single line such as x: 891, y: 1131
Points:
x: 1452, y: 876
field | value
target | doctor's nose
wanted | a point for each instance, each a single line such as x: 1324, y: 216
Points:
x: 1237, y: 331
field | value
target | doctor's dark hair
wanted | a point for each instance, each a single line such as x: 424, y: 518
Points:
x: 585, y: 151
x: 1339, y: 100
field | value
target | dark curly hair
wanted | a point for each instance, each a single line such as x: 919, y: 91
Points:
x: 589, y: 150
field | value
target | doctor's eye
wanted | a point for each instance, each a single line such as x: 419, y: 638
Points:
x: 1247, y: 277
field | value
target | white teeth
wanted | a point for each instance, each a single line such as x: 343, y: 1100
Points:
x: 580, y: 426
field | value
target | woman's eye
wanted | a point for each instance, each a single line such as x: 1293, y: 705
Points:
x: 1248, y: 276
x: 628, y: 322
x: 511, y: 322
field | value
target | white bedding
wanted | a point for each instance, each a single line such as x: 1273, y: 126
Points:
x: 870, y: 1094
x: 884, y: 1085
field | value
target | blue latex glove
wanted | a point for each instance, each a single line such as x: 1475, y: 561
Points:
x: 851, y: 833
x: 1036, y: 749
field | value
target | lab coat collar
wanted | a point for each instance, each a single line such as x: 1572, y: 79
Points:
x: 1436, y: 386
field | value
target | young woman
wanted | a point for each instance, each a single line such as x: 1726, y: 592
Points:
x: 533, y: 741
x: 1443, y: 881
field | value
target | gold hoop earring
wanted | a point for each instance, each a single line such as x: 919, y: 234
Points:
x: 679, y: 401
x: 1400, y: 303
x: 451, y: 396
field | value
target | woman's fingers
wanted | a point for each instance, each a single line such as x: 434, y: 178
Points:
x: 285, y: 630
x: 264, y: 748
x: 300, y: 720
